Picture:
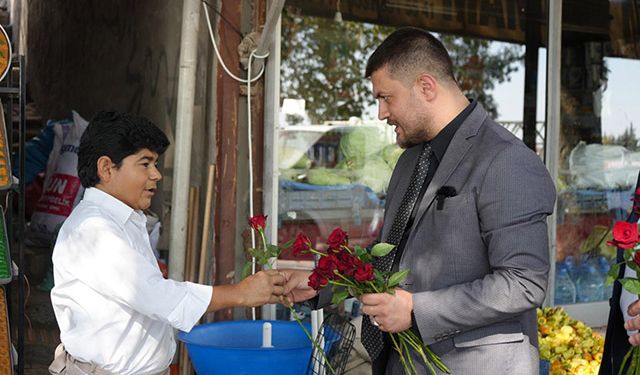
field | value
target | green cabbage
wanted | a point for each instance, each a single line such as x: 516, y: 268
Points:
x: 292, y: 174
x: 374, y: 173
x: 391, y: 153
x: 324, y: 176
x: 362, y: 142
x: 293, y: 158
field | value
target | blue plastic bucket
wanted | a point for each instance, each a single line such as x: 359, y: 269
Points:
x: 235, y: 348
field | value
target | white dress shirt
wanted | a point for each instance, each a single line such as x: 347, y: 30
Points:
x: 111, y: 302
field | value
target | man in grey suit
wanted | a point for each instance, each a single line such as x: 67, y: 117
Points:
x: 475, y: 240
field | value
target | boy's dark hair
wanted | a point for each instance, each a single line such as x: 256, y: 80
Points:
x: 116, y: 135
x: 410, y: 51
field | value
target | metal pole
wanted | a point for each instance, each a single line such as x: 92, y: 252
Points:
x: 552, y: 138
x: 184, y: 130
x: 21, y: 211
x: 270, y: 175
x: 271, y: 27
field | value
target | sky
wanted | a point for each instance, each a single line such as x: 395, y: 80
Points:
x: 619, y: 99
x: 510, y: 94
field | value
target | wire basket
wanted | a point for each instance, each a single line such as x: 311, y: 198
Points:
x: 337, y: 335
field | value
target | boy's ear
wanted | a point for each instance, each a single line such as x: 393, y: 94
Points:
x: 104, y: 166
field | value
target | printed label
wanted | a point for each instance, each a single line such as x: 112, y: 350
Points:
x: 59, y: 194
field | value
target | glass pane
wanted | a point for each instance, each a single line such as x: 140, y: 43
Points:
x: 335, y: 157
x: 599, y: 155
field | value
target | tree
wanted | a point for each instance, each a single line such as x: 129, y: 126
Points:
x: 628, y: 139
x: 478, y: 67
x: 323, y: 62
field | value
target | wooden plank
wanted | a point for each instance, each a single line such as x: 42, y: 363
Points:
x: 227, y: 95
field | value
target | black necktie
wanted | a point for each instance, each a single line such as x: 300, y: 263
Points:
x: 372, y: 337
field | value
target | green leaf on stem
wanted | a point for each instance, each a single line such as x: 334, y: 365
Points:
x: 273, y: 251
x: 379, y: 278
x: 288, y: 244
x: 632, y: 264
x: 381, y: 249
x: 396, y: 278
x: 631, y: 285
x: 339, y: 296
x: 628, y: 256
x: 612, y: 275
x: 246, y: 270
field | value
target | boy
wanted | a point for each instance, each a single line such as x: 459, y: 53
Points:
x: 115, y: 311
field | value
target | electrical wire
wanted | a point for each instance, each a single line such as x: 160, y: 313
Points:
x: 231, y: 24
x: 215, y: 47
x: 253, y: 234
x: 26, y: 301
x: 247, y: 81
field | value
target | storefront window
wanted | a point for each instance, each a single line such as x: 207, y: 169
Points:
x: 599, y: 151
x: 335, y: 156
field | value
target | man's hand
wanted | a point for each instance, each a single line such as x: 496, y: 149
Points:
x: 296, y: 287
x: 261, y: 288
x: 633, y: 323
x: 258, y: 289
x: 392, y: 312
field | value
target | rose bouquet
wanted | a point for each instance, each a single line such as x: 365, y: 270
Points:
x: 625, y: 236
x: 262, y: 256
x: 350, y: 271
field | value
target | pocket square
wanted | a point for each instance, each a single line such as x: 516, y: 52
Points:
x: 443, y: 193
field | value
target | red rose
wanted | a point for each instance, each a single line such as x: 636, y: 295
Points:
x: 301, y: 245
x: 257, y: 222
x: 326, y: 266
x: 364, y: 272
x: 316, y: 281
x: 636, y: 258
x: 337, y: 239
x: 346, y: 263
x: 625, y: 235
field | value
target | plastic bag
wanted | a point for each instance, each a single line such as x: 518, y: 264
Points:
x: 62, y: 188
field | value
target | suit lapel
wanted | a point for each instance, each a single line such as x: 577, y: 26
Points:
x: 458, y: 148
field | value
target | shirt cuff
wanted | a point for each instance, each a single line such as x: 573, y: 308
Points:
x: 192, y: 307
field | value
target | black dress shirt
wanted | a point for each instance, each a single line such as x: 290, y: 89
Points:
x: 439, y: 145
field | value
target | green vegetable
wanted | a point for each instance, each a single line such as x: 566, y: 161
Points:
x: 391, y: 153
x: 324, y: 176
x: 362, y: 142
x: 374, y: 173
x: 293, y: 158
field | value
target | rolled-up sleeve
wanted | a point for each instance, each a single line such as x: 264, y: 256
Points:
x: 194, y: 304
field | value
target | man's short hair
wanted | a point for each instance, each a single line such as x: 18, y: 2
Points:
x: 116, y: 135
x: 410, y: 51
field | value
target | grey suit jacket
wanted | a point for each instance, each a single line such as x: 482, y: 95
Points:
x: 478, y: 266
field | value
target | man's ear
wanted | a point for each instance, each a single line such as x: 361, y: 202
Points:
x: 104, y: 166
x: 427, y: 85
